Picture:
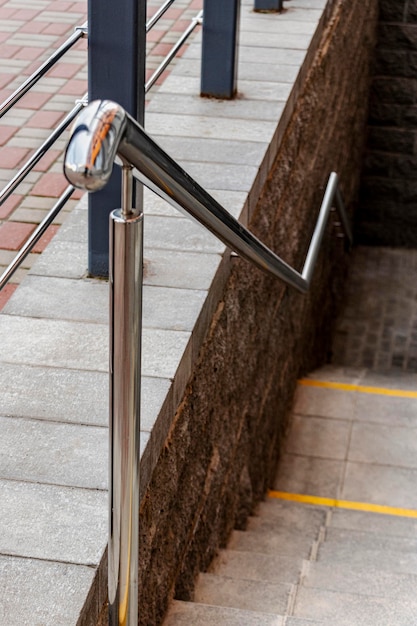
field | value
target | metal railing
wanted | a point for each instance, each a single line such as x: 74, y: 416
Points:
x: 103, y: 133
x: 19, y: 177
x: 79, y: 33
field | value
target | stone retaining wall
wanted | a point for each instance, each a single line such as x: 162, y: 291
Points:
x: 388, y: 206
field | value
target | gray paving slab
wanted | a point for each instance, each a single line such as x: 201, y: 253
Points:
x: 384, y: 524
x: 57, y: 343
x: 187, y: 149
x: 383, y: 445
x: 291, y: 515
x: 247, y: 54
x: 309, y: 475
x: 362, y: 540
x: 386, y: 560
x: 222, y: 176
x: 41, y: 592
x: 186, y: 235
x: 323, y: 402
x: 336, y: 576
x: 252, y: 566
x: 346, y: 609
x: 318, y: 437
x: 297, y: 621
x: 65, y: 259
x: 267, y: 90
x: 247, y: 595
x: 61, y: 298
x: 170, y: 308
x: 274, y: 541
x: 56, y: 394
x: 378, y: 409
x: 274, y: 24
x: 292, y: 41
x: 53, y: 523
x: 173, y: 268
x: 51, y: 453
x: 186, y: 613
x: 163, y: 350
x: 213, y: 128
x: 384, y: 484
x: 239, y: 108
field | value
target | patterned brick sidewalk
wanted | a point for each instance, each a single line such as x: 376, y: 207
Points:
x: 31, y: 30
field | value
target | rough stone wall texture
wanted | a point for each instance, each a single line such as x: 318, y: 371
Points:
x: 388, y: 204
x: 223, y: 446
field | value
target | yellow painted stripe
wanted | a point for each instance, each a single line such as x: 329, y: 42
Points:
x: 343, y: 504
x: 382, y: 391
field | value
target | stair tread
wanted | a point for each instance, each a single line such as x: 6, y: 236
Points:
x: 193, y: 614
x: 345, y: 609
x: 355, y: 579
x: 259, y: 596
x: 254, y: 566
x: 289, y: 544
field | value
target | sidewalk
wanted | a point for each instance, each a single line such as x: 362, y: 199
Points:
x: 29, y: 32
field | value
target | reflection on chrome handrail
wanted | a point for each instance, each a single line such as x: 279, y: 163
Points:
x: 104, y: 129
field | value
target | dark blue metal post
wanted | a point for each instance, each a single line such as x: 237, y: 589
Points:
x: 219, y: 53
x: 268, y: 5
x: 116, y: 71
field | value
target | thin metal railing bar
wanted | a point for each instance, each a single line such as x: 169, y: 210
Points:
x: 107, y: 125
x: 41, y: 151
x: 157, y: 16
x: 331, y: 194
x: 35, y: 236
x: 78, y: 34
x: 196, y: 21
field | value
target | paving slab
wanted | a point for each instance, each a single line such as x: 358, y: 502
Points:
x: 27, y: 596
x: 53, y: 523
x: 260, y: 567
x: 318, y: 437
x: 248, y: 595
x: 186, y: 613
x: 346, y: 609
x: 50, y: 453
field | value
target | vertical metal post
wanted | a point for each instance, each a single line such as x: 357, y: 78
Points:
x: 116, y: 71
x: 220, y: 48
x: 126, y: 263
x: 268, y: 5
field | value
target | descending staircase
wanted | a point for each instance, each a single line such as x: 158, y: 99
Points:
x: 317, y: 561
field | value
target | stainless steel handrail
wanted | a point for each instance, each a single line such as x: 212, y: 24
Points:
x: 79, y: 33
x: 196, y: 21
x: 102, y: 133
x: 104, y: 130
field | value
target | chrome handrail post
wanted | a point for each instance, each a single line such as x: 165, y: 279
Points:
x: 125, y: 271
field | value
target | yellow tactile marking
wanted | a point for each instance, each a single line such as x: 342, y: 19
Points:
x: 343, y: 504
x: 382, y: 391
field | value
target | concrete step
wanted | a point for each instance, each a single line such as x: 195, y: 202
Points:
x: 336, y: 576
x: 351, y: 609
x: 279, y: 543
x: 253, y: 566
x: 193, y: 614
x: 249, y: 595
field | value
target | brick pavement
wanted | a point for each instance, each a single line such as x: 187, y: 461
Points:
x: 30, y: 30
